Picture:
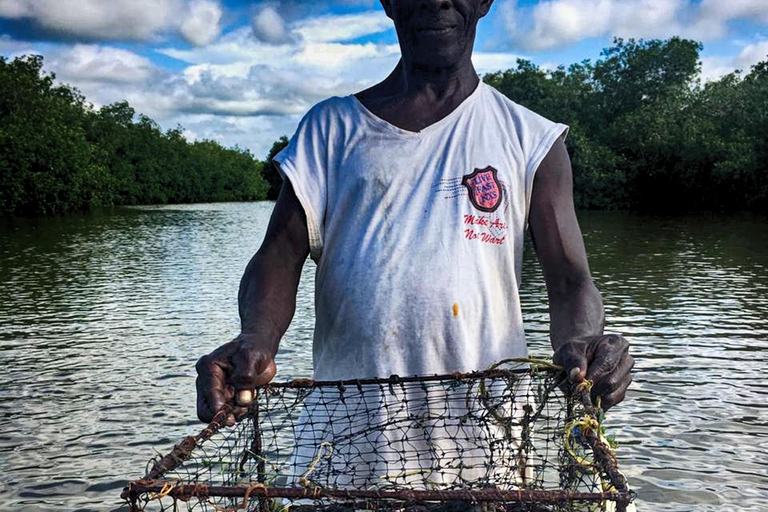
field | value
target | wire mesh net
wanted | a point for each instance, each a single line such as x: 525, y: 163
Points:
x: 502, y: 439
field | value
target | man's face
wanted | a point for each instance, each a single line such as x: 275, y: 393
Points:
x: 436, y: 33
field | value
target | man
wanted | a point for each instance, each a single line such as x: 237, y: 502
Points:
x: 413, y: 197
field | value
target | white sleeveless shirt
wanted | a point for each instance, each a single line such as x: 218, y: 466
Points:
x: 417, y: 236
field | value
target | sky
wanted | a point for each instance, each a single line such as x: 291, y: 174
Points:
x: 244, y: 72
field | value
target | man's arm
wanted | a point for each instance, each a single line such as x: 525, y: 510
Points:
x: 576, y: 309
x: 267, y: 302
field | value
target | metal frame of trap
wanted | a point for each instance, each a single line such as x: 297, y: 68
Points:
x: 154, y: 486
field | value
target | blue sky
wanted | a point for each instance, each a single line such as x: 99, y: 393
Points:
x: 243, y: 72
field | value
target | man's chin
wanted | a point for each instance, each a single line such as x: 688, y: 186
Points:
x: 442, y: 60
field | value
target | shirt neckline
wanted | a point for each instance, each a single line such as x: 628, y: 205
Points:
x: 427, y: 129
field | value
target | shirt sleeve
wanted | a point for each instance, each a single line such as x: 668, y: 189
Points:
x: 538, y: 135
x: 304, y: 163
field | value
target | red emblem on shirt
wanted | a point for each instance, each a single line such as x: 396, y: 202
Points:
x: 484, y: 189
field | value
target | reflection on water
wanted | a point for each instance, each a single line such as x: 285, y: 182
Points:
x: 103, y: 317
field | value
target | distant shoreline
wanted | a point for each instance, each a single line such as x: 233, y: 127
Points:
x: 645, y: 135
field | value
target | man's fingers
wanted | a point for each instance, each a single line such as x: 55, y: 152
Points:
x: 206, y: 403
x: 245, y: 396
x: 572, y: 358
x: 616, y: 396
x: 211, y: 389
x: 611, y: 365
x: 252, y: 369
x: 609, y: 351
x: 267, y: 375
x: 226, y: 379
x: 604, y: 360
x: 610, y: 370
x: 621, y: 374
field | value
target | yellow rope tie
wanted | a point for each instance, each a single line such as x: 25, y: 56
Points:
x: 242, y: 505
x: 304, y: 481
x: 535, y: 363
x: 585, y: 424
x: 584, y: 386
x: 165, y: 491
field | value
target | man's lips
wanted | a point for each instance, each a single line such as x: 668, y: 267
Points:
x: 436, y: 30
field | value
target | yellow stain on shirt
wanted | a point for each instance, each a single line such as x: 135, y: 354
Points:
x: 455, y: 309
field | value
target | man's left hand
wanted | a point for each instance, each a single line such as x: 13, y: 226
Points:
x: 603, y: 359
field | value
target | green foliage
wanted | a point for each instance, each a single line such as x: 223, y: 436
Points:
x: 58, y: 154
x: 647, y: 135
x: 270, y: 171
x: 47, y: 163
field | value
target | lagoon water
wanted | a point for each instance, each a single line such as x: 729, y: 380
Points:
x: 102, y: 317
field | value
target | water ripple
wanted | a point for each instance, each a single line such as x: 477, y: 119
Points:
x: 104, y: 315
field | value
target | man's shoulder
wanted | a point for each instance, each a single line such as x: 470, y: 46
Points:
x: 326, y: 116
x: 329, y: 107
x: 515, y: 111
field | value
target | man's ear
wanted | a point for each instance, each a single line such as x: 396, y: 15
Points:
x: 485, y: 6
x: 387, y: 5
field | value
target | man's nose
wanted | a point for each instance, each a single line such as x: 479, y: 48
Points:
x: 435, y: 5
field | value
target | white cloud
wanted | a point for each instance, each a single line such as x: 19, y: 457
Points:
x: 269, y: 26
x: 86, y: 65
x: 556, y: 23
x: 337, y: 55
x: 489, y: 62
x: 93, y: 63
x: 345, y: 27
x: 264, y: 84
x: 716, y: 67
x: 13, y: 9
x: 202, y: 24
x: 241, y: 74
x: 97, y: 19
x: 734, y: 9
x: 237, y: 46
x: 711, y: 23
x: 10, y: 46
x: 258, y: 91
x: 254, y: 133
x: 116, y: 20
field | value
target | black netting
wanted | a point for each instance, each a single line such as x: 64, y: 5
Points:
x: 504, y: 439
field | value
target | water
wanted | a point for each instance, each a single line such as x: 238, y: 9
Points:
x: 103, y: 316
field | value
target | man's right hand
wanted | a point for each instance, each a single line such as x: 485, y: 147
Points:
x: 227, y: 377
x: 267, y: 300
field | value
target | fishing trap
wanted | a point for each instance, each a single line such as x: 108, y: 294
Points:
x: 507, y: 438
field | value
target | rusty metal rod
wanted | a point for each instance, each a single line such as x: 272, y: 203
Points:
x: 395, y: 379
x: 603, y: 453
x: 186, y: 492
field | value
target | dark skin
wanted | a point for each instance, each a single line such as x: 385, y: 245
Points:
x: 434, y: 75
